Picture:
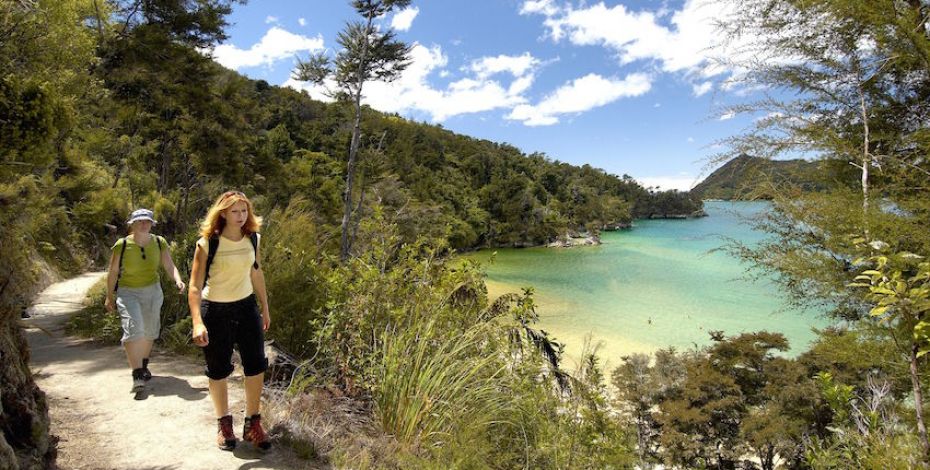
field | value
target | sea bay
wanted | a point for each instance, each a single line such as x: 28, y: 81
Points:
x: 659, y: 284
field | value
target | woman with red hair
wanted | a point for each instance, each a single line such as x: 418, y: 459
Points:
x: 226, y: 288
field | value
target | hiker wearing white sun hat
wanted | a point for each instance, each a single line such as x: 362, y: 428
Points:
x: 134, y: 290
x: 141, y: 214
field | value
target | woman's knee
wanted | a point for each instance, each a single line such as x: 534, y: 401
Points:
x: 218, y: 372
x: 131, y: 322
x: 254, y: 365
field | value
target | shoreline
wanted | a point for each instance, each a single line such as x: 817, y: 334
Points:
x: 574, y: 241
x: 577, y: 293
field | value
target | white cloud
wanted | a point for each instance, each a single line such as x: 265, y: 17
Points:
x: 302, y: 21
x: 520, y: 85
x: 690, y: 139
x: 487, y: 84
x: 638, y: 35
x: 277, y: 44
x: 686, y: 41
x: 679, y: 182
x: 545, y: 7
x: 271, y: 19
x: 657, y: 105
x: 701, y: 88
x: 404, y: 19
x: 579, y: 95
x: 317, y: 92
x: 770, y: 116
x: 516, y: 65
x: 412, y: 92
x: 726, y: 116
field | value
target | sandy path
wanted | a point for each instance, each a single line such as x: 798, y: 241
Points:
x: 100, y: 423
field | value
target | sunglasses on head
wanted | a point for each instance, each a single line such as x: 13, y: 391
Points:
x: 233, y: 193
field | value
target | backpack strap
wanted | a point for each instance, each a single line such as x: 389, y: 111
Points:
x: 161, y: 242
x: 254, y: 238
x: 119, y: 273
x: 213, y: 244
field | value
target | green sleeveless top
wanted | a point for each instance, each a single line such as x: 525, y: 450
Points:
x: 139, y: 271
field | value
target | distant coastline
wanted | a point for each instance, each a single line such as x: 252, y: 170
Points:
x: 746, y: 178
x: 645, y: 289
x: 573, y: 240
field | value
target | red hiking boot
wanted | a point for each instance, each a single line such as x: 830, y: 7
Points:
x: 225, y: 437
x: 254, y: 433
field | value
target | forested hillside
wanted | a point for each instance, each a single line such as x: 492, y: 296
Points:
x: 169, y: 127
x: 746, y: 177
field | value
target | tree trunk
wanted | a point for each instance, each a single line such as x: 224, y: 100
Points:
x: 165, y: 170
x: 353, y: 146
x: 350, y: 176
x: 358, y: 210
x: 361, y: 197
x: 865, y: 154
x: 100, y: 36
x: 919, y: 404
x: 767, y: 458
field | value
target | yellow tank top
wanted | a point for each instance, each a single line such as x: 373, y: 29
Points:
x: 230, y: 274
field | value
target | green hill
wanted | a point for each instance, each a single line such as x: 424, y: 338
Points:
x: 747, y: 178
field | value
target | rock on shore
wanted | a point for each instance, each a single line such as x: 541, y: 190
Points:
x: 572, y: 241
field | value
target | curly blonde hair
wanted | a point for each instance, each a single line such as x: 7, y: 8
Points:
x: 213, y: 223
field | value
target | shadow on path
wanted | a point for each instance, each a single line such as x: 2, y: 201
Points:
x: 165, y: 386
x: 101, y: 425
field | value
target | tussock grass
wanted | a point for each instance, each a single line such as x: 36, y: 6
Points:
x: 322, y: 424
x: 434, y: 383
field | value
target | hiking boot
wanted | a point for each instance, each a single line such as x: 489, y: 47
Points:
x: 138, y: 381
x: 146, y: 375
x: 254, y: 433
x: 225, y: 437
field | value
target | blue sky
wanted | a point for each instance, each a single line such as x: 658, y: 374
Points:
x: 628, y: 86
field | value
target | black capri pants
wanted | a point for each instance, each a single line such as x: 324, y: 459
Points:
x: 236, y: 323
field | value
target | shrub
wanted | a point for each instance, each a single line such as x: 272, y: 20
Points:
x: 436, y: 383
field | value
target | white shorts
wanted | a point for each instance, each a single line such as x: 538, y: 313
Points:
x: 140, y: 311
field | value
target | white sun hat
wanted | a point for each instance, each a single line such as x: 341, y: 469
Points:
x: 141, y: 214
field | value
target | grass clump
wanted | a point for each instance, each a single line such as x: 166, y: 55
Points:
x: 434, y: 384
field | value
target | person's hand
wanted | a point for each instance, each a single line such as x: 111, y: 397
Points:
x: 199, y: 335
x: 180, y: 284
x: 266, y: 319
x: 110, y: 304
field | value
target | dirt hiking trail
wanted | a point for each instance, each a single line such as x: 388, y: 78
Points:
x: 101, y: 425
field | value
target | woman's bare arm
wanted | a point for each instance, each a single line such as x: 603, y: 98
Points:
x: 258, y: 285
x: 112, y: 274
x: 170, y: 268
x: 194, y: 296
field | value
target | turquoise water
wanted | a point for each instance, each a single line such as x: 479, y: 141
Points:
x: 654, y: 286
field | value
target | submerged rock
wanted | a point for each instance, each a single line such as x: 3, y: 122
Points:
x: 570, y: 241
x: 617, y: 226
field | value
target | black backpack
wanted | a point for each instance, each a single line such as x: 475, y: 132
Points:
x: 122, y: 251
x: 214, y: 243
